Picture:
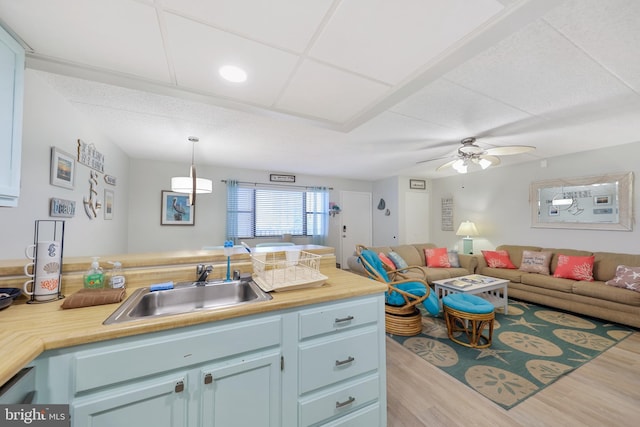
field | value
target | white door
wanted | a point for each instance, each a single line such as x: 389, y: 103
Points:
x: 355, y: 223
x: 416, y: 217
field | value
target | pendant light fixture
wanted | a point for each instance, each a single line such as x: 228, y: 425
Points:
x: 191, y: 184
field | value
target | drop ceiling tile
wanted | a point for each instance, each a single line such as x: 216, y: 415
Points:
x: 448, y: 104
x: 388, y: 42
x: 538, y: 71
x: 320, y: 91
x: 288, y: 24
x: 198, y: 51
x: 119, y: 35
x: 608, y: 31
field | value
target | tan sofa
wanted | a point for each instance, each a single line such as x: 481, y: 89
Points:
x: 414, y: 256
x: 589, y: 298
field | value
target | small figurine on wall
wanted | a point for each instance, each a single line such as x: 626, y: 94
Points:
x: 92, y: 205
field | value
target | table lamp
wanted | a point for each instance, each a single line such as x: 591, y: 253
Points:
x: 468, y: 229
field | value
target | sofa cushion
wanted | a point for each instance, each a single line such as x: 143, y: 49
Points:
x: 512, y: 275
x: 547, y: 282
x: 575, y: 267
x: 437, y: 258
x: 410, y: 254
x: 535, y: 262
x: 606, y: 264
x: 626, y: 278
x: 607, y: 293
x: 420, y: 247
x: 498, y: 259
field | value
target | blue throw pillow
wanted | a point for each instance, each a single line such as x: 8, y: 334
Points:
x: 397, y: 260
x: 454, y: 260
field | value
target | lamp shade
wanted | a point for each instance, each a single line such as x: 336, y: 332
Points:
x: 467, y: 228
x: 184, y: 184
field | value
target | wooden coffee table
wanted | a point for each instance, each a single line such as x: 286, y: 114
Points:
x: 492, y: 289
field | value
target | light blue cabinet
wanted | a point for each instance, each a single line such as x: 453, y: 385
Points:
x: 11, y: 99
x: 322, y: 364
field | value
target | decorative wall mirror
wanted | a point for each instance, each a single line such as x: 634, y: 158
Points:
x: 594, y: 203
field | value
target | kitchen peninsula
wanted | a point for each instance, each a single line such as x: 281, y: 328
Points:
x: 306, y: 356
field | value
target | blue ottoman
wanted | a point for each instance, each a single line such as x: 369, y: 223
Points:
x: 468, y: 316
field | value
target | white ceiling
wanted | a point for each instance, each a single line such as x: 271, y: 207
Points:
x: 352, y: 88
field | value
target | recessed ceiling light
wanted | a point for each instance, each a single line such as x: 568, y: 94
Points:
x: 233, y: 74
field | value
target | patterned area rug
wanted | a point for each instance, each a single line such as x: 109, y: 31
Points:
x: 532, y: 347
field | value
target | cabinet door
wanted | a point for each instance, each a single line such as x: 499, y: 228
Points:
x: 243, y: 392
x: 157, y: 403
x: 11, y: 94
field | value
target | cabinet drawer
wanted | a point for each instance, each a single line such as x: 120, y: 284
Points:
x: 369, y: 416
x: 338, y: 402
x: 342, y: 316
x: 131, y: 359
x: 324, y: 362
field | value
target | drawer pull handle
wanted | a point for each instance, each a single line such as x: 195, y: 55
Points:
x: 179, y: 387
x: 208, y: 379
x: 349, y: 401
x: 344, y: 362
x: 344, y: 319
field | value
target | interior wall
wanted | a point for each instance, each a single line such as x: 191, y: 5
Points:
x: 49, y: 120
x: 497, y: 201
x: 386, y: 228
x: 149, y: 178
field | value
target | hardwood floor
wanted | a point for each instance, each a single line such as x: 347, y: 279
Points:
x: 603, y: 392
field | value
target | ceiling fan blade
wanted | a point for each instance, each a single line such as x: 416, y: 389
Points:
x: 446, y: 165
x: 434, y: 159
x: 509, y: 150
x: 493, y: 159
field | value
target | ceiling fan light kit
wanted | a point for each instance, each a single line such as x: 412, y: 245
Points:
x: 471, y: 154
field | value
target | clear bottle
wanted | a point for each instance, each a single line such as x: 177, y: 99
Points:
x: 94, y: 278
x: 116, y: 278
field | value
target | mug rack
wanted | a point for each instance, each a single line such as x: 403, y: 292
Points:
x: 46, y: 229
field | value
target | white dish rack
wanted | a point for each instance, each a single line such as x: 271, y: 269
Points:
x: 276, y: 271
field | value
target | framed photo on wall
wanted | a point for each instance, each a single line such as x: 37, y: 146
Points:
x: 176, y: 209
x: 108, y: 204
x: 63, y: 169
x: 417, y: 184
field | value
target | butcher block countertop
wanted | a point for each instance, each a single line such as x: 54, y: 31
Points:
x: 27, y: 330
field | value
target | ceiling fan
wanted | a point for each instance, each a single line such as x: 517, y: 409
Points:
x: 472, y: 154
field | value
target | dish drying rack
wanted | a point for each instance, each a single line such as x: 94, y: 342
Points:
x: 287, y: 270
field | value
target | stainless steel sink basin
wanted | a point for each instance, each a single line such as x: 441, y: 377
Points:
x: 187, y: 298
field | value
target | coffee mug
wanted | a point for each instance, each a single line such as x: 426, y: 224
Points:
x: 48, y: 249
x: 46, y: 255
x: 43, y: 288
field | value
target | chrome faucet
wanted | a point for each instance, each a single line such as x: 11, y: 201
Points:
x: 203, y: 272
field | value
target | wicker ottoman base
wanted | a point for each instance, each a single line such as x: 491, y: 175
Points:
x: 471, y: 325
x: 403, y: 324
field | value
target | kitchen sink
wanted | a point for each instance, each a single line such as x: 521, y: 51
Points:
x: 187, y: 297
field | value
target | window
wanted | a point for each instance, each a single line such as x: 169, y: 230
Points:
x: 265, y: 212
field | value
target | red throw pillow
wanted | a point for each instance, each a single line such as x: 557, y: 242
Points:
x: 575, y: 267
x: 387, y: 261
x: 498, y: 259
x: 437, y: 257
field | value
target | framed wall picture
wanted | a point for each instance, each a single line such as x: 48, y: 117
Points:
x: 417, y: 184
x: 108, y: 204
x: 276, y: 177
x: 176, y: 209
x: 63, y: 169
